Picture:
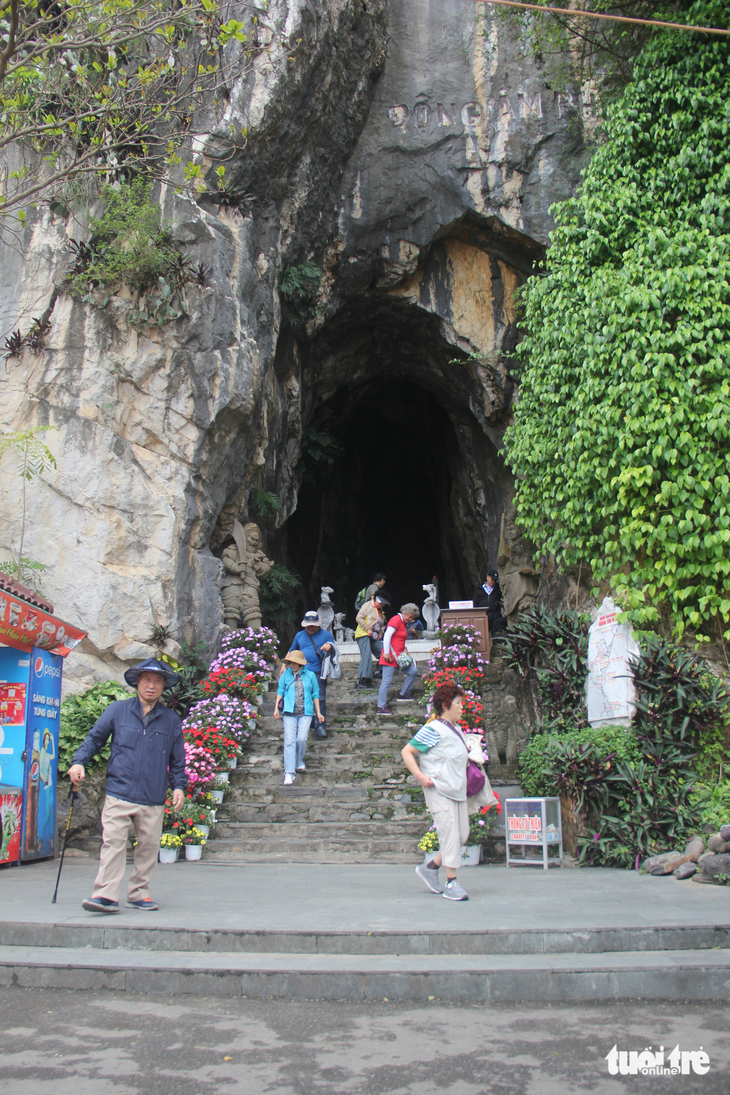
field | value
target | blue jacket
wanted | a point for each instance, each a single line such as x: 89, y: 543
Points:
x: 307, y: 644
x: 288, y: 691
x: 140, y: 757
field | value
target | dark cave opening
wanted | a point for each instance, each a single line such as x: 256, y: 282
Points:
x: 387, y: 502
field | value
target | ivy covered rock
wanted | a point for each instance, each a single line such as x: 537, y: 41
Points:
x: 622, y: 433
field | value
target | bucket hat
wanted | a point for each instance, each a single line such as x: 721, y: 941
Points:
x: 311, y: 619
x: 295, y: 656
x: 152, y: 665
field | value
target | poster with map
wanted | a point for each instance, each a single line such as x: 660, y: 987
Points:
x: 609, y: 685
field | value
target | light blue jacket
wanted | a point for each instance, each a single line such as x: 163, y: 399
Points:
x: 287, y: 689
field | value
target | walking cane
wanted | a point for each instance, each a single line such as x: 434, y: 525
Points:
x: 74, y: 795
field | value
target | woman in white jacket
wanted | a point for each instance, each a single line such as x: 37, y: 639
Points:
x: 438, y: 756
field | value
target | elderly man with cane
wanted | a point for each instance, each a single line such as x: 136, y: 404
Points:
x: 147, y: 757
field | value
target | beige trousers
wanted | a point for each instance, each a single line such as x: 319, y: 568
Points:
x: 116, y: 817
x: 451, y: 819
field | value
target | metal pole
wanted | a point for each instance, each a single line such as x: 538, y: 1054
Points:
x: 74, y: 795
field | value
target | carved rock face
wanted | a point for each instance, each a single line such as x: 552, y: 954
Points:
x: 414, y: 153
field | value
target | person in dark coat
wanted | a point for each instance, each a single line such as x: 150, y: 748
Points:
x: 489, y: 596
x: 147, y: 756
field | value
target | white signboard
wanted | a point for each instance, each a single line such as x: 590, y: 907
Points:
x: 461, y: 604
x: 609, y: 685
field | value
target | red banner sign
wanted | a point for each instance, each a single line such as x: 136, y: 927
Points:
x: 24, y: 626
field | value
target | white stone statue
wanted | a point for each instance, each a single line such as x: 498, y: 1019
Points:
x: 339, y: 627
x: 349, y: 635
x: 326, y: 609
x: 431, y: 610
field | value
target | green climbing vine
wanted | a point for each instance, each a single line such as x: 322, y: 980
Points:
x: 621, y: 437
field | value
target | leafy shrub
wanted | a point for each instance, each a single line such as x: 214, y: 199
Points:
x: 298, y: 285
x: 277, y: 595
x: 547, y: 758
x: 621, y: 436
x: 129, y: 244
x: 554, y: 646
x: 713, y: 805
x: 78, y: 715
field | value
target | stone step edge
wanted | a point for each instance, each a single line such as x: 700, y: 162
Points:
x: 108, y: 936
x: 662, y: 975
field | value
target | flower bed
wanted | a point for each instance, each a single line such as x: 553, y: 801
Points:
x: 217, y: 726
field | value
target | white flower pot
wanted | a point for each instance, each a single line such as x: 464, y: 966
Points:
x: 204, y: 829
x: 428, y: 856
x: 168, y: 855
x: 233, y: 762
x: 212, y: 817
x: 471, y: 855
x: 251, y: 724
x: 223, y: 777
x: 193, y: 851
x: 217, y: 796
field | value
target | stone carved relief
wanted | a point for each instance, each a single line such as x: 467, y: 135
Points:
x: 245, y: 563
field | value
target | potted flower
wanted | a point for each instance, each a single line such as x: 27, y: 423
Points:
x: 219, y: 788
x: 480, y: 824
x: 227, y: 714
x: 170, y: 845
x: 197, y: 816
x: 200, y: 767
x: 193, y: 841
x: 429, y: 843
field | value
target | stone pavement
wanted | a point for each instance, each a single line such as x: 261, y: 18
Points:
x: 368, y: 931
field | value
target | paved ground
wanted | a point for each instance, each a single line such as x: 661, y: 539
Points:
x: 73, y: 1043
x: 293, y: 897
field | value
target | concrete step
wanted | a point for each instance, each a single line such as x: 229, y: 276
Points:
x: 496, y: 978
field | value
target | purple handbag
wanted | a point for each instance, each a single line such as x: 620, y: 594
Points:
x: 474, y: 779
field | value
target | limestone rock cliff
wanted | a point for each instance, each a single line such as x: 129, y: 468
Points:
x: 413, y: 152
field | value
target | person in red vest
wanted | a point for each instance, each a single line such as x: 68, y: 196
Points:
x: 394, y: 645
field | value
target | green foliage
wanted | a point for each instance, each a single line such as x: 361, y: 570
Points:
x: 554, y: 646
x: 652, y: 804
x: 551, y: 764
x: 622, y: 432
x: 182, y: 697
x: 78, y: 715
x: 26, y: 571
x: 99, y: 89
x: 265, y: 502
x: 277, y: 596
x: 299, y: 285
x: 713, y: 805
x: 129, y: 244
x: 318, y: 449
x: 37, y: 458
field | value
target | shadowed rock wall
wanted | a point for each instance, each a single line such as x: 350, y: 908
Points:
x: 412, y: 152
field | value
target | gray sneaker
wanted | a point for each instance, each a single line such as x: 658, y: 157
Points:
x: 429, y: 878
x: 454, y: 892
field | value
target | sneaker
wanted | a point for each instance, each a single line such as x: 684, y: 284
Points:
x: 146, y: 903
x: 100, y: 904
x: 384, y: 711
x: 320, y: 732
x: 301, y: 767
x: 288, y: 778
x: 454, y: 892
x: 404, y: 699
x: 430, y: 878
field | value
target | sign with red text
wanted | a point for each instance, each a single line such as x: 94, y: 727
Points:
x: 24, y: 626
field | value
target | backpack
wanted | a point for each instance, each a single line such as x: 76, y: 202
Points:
x: 361, y: 598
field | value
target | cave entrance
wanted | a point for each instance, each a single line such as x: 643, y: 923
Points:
x: 401, y: 475
x: 385, y: 501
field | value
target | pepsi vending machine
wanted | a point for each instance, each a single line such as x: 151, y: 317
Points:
x: 30, y: 704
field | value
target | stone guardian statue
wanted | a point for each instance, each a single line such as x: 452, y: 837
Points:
x: 326, y: 609
x: 244, y: 563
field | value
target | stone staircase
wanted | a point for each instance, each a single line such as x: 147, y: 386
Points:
x: 355, y: 803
